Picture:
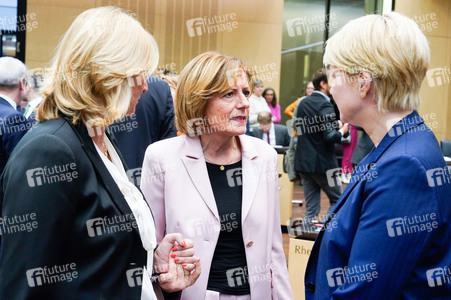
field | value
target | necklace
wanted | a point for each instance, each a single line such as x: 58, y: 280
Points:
x: 221, y: 166
x: 105, y: 150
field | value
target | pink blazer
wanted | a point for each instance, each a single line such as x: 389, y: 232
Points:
x: 176, y: 185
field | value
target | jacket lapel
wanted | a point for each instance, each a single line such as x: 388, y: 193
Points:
x: 104, y: 175
x: 252, y: 170
x: 194, y: 162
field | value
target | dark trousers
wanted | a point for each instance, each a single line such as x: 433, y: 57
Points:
x: 312, y: 184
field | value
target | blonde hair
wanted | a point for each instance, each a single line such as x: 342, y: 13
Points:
x: 94, y: 65
x: 392, y: 48
x: 206, y: 76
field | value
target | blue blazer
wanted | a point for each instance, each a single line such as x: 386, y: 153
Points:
x: 13, y: 126
x: 389, y: 235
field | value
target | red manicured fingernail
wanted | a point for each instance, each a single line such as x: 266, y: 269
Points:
x: 176, y: 259
x: 174, y: 248
x: 183, y: 243
x: 173, y: 255
x: 184, y: 265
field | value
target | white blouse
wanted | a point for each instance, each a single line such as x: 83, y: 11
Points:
x: 140, y: 210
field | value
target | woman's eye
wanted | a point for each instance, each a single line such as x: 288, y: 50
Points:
x: 228, y: 95
x: 246, y: 94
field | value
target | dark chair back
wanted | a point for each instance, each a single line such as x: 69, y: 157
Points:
x: 446, y: 147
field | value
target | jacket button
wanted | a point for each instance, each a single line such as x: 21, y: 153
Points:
x: 311, y: 287
x: 249, y: 244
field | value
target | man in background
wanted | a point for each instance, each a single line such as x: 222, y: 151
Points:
x: 13, y: 90
x: 274, y: 134
x: 153, y: 121
x: 317, y: 129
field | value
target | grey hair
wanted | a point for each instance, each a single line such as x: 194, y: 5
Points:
x: 12, y: 71
x: 256, y: 82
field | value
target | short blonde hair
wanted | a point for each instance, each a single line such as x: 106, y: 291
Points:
x: 392, y: 48
x: 94, y: 65
x: 206, y: 76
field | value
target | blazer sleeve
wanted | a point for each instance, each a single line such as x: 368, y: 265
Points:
x: 401, y: 189
x: 49, y: 207
x: 152, y: 186
x: 330, y: 134
x: 280, y: 282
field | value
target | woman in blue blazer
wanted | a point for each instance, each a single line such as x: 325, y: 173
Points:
x: 389, y: 235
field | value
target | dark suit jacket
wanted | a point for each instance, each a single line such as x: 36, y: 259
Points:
x: 391, y: 226
x: 282, y: 137
x: 13, y: 127
x: 316, y: 126
x: 64, y: 204
x: 153, y: 121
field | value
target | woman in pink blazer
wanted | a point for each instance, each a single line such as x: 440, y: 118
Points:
x: 219, y: 187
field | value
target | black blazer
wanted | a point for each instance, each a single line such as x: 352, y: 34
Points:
x: 316, y: 126
x: 153, y: 121
x: 282, y: 137
x: 13, y: 126
x: 55, y: 217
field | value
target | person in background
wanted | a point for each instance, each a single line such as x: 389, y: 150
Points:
x: 273, y: 134
x: 92, y: 234
x: 34, y: 96
x: 317, y: 130
x: 13, y: 90
x: 392, y: 226
x: 270, y: 95
x: 219, y: 187
x: 363, y: 147
x: 348, y: 149
x: 257, y: 104
x: 171, y: 78
x: 289, y: 111
x: 152, y: 121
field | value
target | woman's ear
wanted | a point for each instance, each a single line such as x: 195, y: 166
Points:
x: 365, y: 80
